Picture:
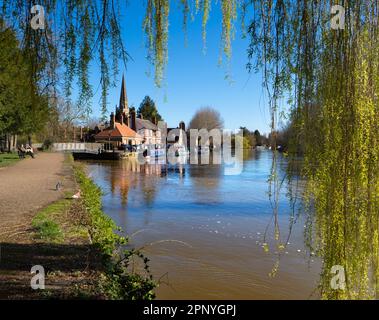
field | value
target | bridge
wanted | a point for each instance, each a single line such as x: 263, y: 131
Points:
x: 78, y: 147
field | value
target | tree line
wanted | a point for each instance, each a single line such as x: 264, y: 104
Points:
x: 23, y: 109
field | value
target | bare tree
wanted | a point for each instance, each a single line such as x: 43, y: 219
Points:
x: 92, y: 122
x: 206, y: 118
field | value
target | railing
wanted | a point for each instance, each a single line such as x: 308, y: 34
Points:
x: 77, y: 147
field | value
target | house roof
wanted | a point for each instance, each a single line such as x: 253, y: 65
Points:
x: 145, y: 124
x: 120, y: 131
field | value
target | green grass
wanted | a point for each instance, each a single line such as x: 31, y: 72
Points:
x: 49, y: 230
x: 45, y: 222
x: 101, y: 227
x: 7, y: 159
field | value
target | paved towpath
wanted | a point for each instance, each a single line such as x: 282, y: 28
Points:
x: 26, y: 187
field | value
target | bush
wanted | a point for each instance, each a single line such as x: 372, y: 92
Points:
x: 47, y: 144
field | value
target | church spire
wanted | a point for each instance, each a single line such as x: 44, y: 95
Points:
x: 124, y: 107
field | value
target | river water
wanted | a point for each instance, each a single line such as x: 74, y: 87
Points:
x: 210, y: 235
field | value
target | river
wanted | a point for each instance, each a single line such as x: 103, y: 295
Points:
x: 210, y: 235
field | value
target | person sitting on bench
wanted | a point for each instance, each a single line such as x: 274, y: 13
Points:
x: 29, y: 151
x: 21, y: 151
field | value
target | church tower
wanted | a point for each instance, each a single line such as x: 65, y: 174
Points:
x: 124, y: 107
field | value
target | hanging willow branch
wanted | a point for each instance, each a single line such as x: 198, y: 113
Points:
x: 80, y: 32
x: 332, y: 76
x: 76, y: 33
x: 156, y: 25
x: 156, y: 28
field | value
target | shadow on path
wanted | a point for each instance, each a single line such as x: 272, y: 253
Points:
x: 64, y: 265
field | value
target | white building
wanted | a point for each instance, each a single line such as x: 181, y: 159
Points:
x: 148, y: 131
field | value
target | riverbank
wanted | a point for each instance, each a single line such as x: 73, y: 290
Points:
x: 72, y: 239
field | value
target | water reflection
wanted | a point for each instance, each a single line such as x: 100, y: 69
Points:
x: 223, y: 218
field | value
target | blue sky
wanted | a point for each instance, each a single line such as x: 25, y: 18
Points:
x: 193, y: 79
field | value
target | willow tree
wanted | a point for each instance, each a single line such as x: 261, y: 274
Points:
x: 332, y: 77
x: 343, y: 169
x: 74, y: 33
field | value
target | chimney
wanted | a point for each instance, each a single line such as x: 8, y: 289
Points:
x: 113, y: 121
x: 133, y: 120
x: 155, y: 120
x: 182, y: 126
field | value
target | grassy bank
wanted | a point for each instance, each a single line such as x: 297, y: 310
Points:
x: 118, y: 281
x: 44, y: 224
x: 7, y: 159
x: 81, y: 223
x: 61, y: 222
